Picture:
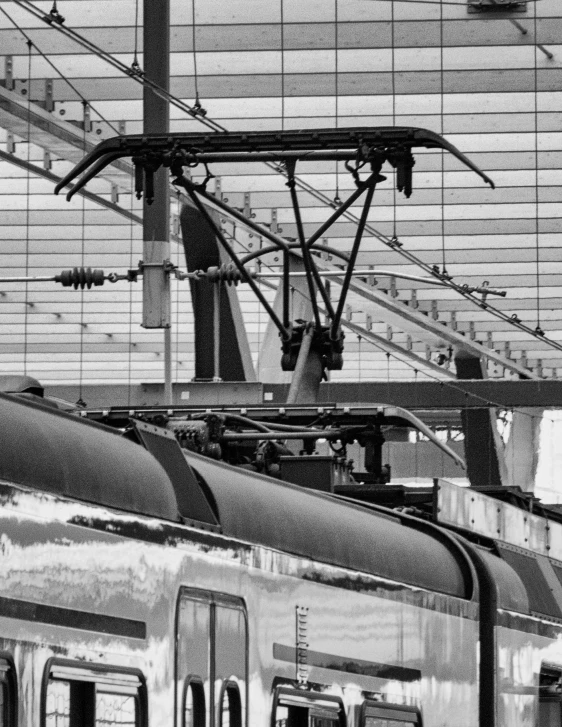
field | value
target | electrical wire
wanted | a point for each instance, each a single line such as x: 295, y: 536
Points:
x: 442, y: 116
x: 393, y: 91
x: 139, y: 78
x: 56, y: 70
x: 28, y: 205
x: 536, y: 116
x: 337, y: 198
x: 135, y: 65
x: 282, y: 28
x: 197, y: 105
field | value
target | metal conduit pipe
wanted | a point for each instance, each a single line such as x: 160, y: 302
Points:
x: 258, y: 436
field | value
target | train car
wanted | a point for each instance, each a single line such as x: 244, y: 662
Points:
x: 150, y: 587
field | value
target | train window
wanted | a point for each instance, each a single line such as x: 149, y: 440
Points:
x: 381, y: 714
x: 550, y: 697
x: 7, y: 693
x: 57, y: 710
x: 96, y: 697
x: 230, y: 706
x: 115, y: 709
x: 294, y: 708
x: 194, y: 704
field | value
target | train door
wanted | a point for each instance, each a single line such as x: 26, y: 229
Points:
x: 211, y: 660
x: 550, y: 697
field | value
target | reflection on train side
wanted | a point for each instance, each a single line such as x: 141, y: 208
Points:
x: 299, y: 610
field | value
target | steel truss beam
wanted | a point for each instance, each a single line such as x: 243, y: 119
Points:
x: 427, y: 396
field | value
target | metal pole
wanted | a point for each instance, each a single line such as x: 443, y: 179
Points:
x: 216, y: 331
x: 168, y: 394
x: 156, y: 234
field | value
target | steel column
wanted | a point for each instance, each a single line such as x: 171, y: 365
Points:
x: 484, y: 457
x: 156, y: 225
x: 202, y: 251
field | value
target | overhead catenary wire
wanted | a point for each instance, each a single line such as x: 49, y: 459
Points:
x: 56, y: 70
x: 197, y: 104
x: 118, y: 65
x: 135, y: 64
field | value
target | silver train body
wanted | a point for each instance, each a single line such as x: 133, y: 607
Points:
x: 297, y: 609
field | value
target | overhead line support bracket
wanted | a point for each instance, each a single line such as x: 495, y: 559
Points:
x: 357, y: 147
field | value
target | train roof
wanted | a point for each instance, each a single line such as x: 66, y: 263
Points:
x: 59, y: 453
x: 287, y: 517
x: 55, y: 452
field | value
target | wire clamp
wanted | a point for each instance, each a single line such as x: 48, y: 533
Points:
x: 135, y: 69
x: 197, y: 109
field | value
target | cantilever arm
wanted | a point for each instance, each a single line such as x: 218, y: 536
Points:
x: 269, y: 146
x: 465, y: 160
x: 108, y: 148
x: 94, y: 170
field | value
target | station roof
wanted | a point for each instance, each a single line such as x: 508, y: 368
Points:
x: 490, y: 82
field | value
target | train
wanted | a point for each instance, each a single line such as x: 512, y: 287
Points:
x: 146, y: 585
